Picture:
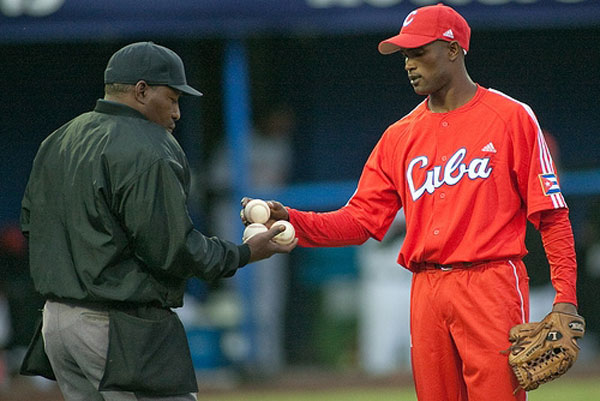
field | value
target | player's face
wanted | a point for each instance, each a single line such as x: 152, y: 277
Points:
x: 162, y: 106
x: 427, y: 67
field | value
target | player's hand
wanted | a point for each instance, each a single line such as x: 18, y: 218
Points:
x: 278, y: 212
x: 262, y: 245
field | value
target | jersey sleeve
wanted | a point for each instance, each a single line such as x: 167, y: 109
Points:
x: 534, y: 167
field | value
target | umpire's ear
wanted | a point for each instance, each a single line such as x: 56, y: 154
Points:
x: 140, y: 91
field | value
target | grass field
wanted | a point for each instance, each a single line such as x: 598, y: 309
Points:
x: 561, y: 390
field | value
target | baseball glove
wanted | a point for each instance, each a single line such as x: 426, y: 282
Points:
x: 542, y: 351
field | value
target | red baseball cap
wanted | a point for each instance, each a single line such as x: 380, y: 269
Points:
x: 427, y: 24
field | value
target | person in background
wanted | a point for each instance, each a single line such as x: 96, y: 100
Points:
x: 270, y: 167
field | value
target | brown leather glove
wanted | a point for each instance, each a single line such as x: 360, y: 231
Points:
x: 542, y: 351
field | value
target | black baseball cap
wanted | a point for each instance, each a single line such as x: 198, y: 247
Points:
x: 150, y: 62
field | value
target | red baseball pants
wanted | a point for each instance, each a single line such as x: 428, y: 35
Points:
x: 460, y: 319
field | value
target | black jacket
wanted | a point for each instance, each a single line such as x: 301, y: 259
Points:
x: 106, y: 217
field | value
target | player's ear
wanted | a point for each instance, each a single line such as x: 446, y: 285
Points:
x: 454, y: 50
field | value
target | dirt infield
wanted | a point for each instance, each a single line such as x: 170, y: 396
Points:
x: 28, y: 389
x: 25, y: 389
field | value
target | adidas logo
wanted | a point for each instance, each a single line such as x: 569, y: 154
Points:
x: 449, y: 34
x: 489, y: 148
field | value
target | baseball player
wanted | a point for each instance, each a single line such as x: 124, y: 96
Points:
x: 470, y: 166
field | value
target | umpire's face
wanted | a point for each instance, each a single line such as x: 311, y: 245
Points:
x: 160, y: 104
x: 429, y: 67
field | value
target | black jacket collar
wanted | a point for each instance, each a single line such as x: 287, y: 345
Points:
x: 118, y: 109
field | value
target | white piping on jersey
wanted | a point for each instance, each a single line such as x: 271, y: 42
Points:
x: 518, y: 290
x: 558, y: 201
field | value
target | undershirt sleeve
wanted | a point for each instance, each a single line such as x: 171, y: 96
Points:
x: 557, y: 238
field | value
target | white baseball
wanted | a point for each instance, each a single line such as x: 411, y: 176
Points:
x: 253, y: 229
x: 257, y: 211
x: 286, y: 236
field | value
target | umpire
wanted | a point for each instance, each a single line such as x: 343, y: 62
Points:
x: 111, y: 242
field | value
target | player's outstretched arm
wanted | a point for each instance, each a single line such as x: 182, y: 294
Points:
x: 262, y: 245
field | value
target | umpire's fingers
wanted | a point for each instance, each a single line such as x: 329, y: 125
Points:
x: 279, y: 248
x: 262, y: 245
x: 243, y: 217
x: 245, y: 201
x: 286, y: 248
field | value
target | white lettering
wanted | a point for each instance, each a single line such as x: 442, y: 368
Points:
x: 416, y: 3
x: 383, y: 3
x: 449, y: 174
x: 478, y: 168
x: 455, y: 163
x: 421, y: 3
x: 334, y: 3
x: 437, y: 177
x: 416, y: 194
x: 494, y: 2
x: 409, y: 18
x: 34, y: 8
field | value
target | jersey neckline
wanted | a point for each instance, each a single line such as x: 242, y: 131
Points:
x: 474, y: 100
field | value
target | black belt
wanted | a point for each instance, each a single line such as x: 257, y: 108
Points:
x: 419, y: 266
x: 439, y: 266
x: 106, y: 304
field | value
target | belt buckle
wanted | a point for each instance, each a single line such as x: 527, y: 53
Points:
x: 443, y: 267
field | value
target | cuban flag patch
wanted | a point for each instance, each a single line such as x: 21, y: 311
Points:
x: 549, y: 184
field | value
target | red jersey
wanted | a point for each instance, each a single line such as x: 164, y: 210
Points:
x: 467, y: 179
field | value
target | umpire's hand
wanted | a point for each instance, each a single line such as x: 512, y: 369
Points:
x: 262, y: 246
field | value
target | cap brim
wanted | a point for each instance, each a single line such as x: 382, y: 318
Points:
x: 403, y: 41
x: 186, y: 89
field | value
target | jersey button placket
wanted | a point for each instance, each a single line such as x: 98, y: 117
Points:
x: 436, y: 204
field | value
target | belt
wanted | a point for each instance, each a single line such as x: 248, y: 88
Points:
x: 418, y: 266
x: 105, y: 305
